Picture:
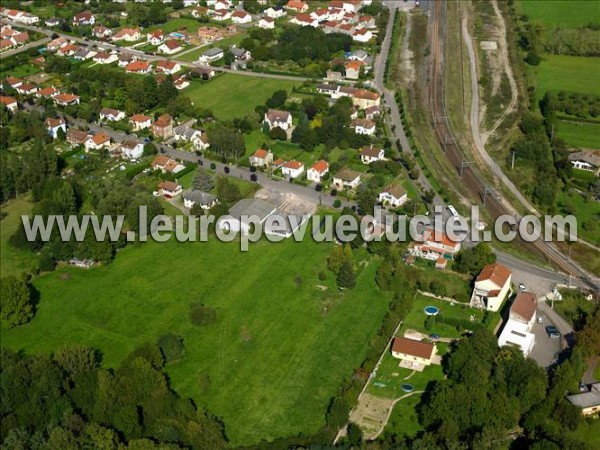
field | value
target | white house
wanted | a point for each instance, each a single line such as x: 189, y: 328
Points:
x: 241, y: 16
x: 297, y: 6
x: 97, y: 142
x: 171, y: 46
x: 156, y: 37
x: 84, y: 18
x: 169, y: 189
x: 140, y: 122
x: 105, y: 58
x: 433, y: 245
x: 111, y: 115
x: 168, y: 67
x: 66, y: 99
x: 413, y: 354
x: 318, y: 171
x: 200, y: 198
x: 364, y: 126
x: 517, y: 330
x: 362, y: 35
x: 586, y: 160
x: 212, y: 54
x: 10, y: 103
x: 346, y: 179
x: 266, y: 23
x: 276, y: 118
x: 292, y: 169
x: 132, y: 149
x: 54, y: 125
x: 492, y: 286
x: 370, y: 154
x: 185, y: 133
x: 261, y: 158
x: 304, y: 20
x: 275, y: 12
x: 393, y: 195
x: 127, y: 35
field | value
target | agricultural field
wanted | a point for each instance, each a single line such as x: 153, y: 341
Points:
x: 567, y: 73
x: 580, y: 134
x: 566, y: 13
x: 269, y: 365
x: 230, y: 96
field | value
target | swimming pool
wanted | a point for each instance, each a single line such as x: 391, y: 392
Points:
x: 431, y: 310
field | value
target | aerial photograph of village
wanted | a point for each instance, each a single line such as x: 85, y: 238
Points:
x: 300, y: 224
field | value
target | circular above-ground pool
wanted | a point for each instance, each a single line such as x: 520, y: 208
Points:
x: 407, y: 387
x: 432, y: 310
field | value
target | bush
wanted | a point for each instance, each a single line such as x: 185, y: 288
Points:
x: 226, y: 169
x: 213, y: 166
x: 337, y: 203
x: 171, y: 346
x: 533, y: 58
x: 202, y: 315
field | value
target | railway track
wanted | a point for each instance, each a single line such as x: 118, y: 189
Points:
x: 475, y: 183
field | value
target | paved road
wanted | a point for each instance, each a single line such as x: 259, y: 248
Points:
x: 25, y: 47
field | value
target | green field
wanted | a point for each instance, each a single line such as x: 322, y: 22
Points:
x: 230, y: 96
x: 12, y: 261
x: 565, y: 13
x: 568, y: 73
x: 277, y: 353
x: 189, y: 25
x: 404, y: 420
x: 580, y: 134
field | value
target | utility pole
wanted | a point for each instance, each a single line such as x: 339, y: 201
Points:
x: 464, y: 164
x: 512, y: 164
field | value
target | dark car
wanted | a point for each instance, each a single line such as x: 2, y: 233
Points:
x: 552, y: 332
x: 434, y: 337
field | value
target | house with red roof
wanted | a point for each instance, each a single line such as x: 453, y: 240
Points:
x: 292, y: 169
x: 66, y: 99
x: 9, y: 102
x: 170, y: 46
x: 318, y: 171
x: 156, y: 37
x: 140, y: 122
x: 492, y: 287
x: 97, y: 142
x: 261, y: 158
x: 167, y: 67
x: 140, y: 67
x: 413, y: 354
x: 297, y: 6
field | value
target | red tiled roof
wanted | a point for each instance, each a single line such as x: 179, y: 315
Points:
x: 497, y: 273
x: 412, y: 347
x: 525, y: 305
x: 320, y: 166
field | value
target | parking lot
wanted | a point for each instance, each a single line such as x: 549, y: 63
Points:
x: 545, y: 349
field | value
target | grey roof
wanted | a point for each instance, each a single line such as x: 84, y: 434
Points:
x: 252, y: 207
x: 82, y: 53
x: 360, y: 54
x: 199, y: 197
x: 212, y: 51
x: 347, y: 175
x: 587, y: 399
x: 592, y: 158
x: 237, y: 52
x: 328, y: 87
x: 187, y: 132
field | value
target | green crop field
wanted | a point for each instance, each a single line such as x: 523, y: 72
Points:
x: 12, y: 261
x: 230, y: 96
x: 565, y: 13
x: 568, y: 73
x: 580, y: 134
x: 275, y: 356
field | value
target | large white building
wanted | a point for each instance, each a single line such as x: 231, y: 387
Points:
x: 522, y: 316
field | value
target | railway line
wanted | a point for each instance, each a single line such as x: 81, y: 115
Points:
x: 475, y: 183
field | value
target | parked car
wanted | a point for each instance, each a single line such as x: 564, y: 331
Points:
x: 522, y: 287
x: 434, y: 337
x: 540, y: 319
x: 552, y: 332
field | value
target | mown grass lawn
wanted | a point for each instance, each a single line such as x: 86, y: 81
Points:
x: 230, y: 96
x: 565, y: 13
x: 404, y: 419
x: 277, y: 353
x: 13, y: 261
x: 580, y: 134
x: 567, y: 73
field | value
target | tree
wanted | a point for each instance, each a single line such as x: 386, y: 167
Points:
x: 166, y: 91
x: 346, y: 278
x: 201, y: 315
x: 203, y: 181
x: 337, y: 413
x: 472, y: 260
x: 278, y: 133
x: 16, y: 305
x: 227, y: 192
x: 278, y: 99
x: 171, y: 346
x: 588, y: 339
x: 76, y: 359
x: 355, y: 434
x: 226, y: 141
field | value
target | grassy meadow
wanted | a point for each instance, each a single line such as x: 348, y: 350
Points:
x: 230, y: 96
x: 565, y: 13
x: 273, y: 359
x: 13, y: 261
x: 580, y: 134
x: 568, y: 73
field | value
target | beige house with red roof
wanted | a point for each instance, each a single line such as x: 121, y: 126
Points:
x: 140, y: 122
x: 166, y: 164
x: 127, y: 35
x: 168, y: 67
x: 517, y: 329
x: 156, y: 37
x: 171, y: 46
x: 112, y: 115
x: 413, y: 354
x: 97, y: 142
x: 141, y: 67
x: 433, y: 245
x: 9, y: 102
x: 66, y: 99
x: 105, y: 58
x: 169, y: 189
x: 261, y: 158
x: 492, y: 286
x: 163, y: 126
x: 364, y: 99
x: 318, y: 171
x: 297, y: 6
x: 292, y: 169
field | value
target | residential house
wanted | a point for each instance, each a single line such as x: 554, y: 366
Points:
x: 68, y: 50
x: 200, y: 198
x: 206, y: 73
x: 156, y: 37
x: 328, y: 89
x: 292, y: 169
x: 166, y: 164
x: 393, y: 195
x: 221, y: 15
x: 55, y: 125
x: 318, y: 171
x: 518, y: 327
x: 245, y: 208
x: 432, y: 245
x: 333, y: 75
x: 586, y: 160
x: 140, y: 122
x: 126, y: 58
x: 53, y: 22
x: 212, y: 54
x: 413, y: 354
x: 367, y: 21
x: 261, y: 158
x: 84, y: 18
x: 588, y: 402
x: 304, y: 20
x: 201, y: 142
x: 372, y: 112
x: 127, y: 35
x: 9, y: 102
x: 13, y: 82
x: 168, y: 67
x: 320, y: 14
x: 101, y: 32
x: 76, y: 137
x: 362, y: 35
x: 84, y: 54
x: 181, y: 82
x: 364, y: 99
x: 97, y: 142
x: 297, y: 6
x: 353, y: 69
x: 346, y: 179
x: 105, y: 58
x: 185, y: 133
x: 111, y: 115
x: 266, y: 23
x: 359, y: 55
x: 240, y: 53
x: 132, y: 149
x: 170, y: 46
x: 209, y: 33
x: 276, y: 118
x: 275, y: 12
x: 163, y: 126
x: 364, y: 126
x: 492, y: 286
x: 140, y: 67
x: 57, y: 43
x: 169, y: 189
x: 241, y: 16
x: 47, y: 92
x: 27, y: 89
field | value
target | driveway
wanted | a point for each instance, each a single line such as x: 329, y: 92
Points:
x: 546, y: 349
